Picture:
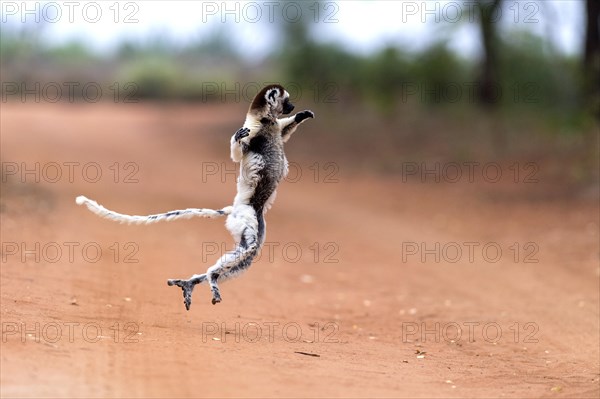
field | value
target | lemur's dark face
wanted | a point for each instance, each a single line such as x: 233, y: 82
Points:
x: 287, y: 106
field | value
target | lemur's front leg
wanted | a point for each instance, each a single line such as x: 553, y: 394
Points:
x: 241, y: 133
x: 238, y: 145
x: 289, y: 125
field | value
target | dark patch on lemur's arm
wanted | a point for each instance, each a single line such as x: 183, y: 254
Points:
x: 241, y: 133
x: 300, y: 116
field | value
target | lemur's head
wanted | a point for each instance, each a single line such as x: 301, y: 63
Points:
x: 271, y: 102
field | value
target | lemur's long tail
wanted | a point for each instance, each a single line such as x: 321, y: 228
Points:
x: 167, y: 216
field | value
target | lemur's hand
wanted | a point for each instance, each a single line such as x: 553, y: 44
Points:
x: 300, y: 116
x: 241, y: 133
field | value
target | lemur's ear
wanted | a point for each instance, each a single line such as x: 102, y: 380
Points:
x: 269, y: 95
x: 272, y: 95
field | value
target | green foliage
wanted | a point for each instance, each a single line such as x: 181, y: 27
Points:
x: 438, y: 66
x: 383, y: 79
x: 19, y: 44
x: 70, y: 53
x: 387, y: 72
x: 155, y: 77
x: 325, y: 63
x: 535, y: 76
x: 532, y: 78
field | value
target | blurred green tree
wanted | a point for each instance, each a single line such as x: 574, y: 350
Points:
x: 487, y: 12
x: 591, y: 56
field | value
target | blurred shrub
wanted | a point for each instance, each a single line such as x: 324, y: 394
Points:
x: 536, y: 79
x: 385, y: 74
x: 533, y: 78
x: 73, y: 53
x: 155, y: 77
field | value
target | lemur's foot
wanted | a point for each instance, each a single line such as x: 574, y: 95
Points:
x: 216, y: 295
x: 187, y: 286
x: 300, y: 116
x: 241, y: 133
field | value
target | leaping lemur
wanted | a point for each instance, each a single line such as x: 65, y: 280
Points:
x: 258, y: 147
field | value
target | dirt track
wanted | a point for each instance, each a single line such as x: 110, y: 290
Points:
x: 333, y: 284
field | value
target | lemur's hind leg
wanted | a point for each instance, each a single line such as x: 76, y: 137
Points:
x: 187, y: 286
x: 248, y: 232
x: 233, y: 262
x: 229, y: 265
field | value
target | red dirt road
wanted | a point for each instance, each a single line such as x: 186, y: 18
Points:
x: 396, y: 286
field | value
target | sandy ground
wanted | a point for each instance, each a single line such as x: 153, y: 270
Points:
x: 369, y: 287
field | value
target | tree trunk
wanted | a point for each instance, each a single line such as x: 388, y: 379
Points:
x: 488, y: 93
x: 488, y: 87
x: 591, y: 57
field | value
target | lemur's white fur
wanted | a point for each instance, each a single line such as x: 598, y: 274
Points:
x: 245, y: 218
x: 167, y: 216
